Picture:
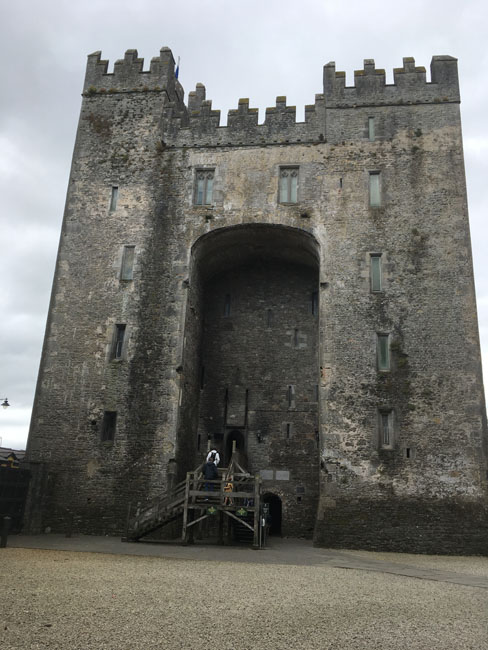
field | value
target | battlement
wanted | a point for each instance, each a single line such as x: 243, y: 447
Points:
x: 203, y: 123
x: 198, y: 124
x: 410, y: 85
x: 129, y: 75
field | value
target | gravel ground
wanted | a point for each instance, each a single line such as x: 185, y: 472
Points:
x: 92, y: 601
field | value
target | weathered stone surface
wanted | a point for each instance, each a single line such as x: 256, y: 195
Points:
x: 189, y: 371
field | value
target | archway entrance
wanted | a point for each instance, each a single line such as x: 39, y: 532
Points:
x: 251, y: 364
x: 274, y: 516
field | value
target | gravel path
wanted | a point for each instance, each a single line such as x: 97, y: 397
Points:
x: 91, y: 601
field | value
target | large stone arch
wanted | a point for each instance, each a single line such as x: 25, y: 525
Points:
x: 251, y: 358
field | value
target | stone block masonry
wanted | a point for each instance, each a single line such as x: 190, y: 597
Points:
x: 303, y: 290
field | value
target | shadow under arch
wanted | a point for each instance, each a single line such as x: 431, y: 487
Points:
x: 232, y: 246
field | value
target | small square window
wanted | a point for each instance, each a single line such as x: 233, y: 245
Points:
x: 204, y: 186
x: 383, y: 351
x: 108, y: 426
x: 288, y: 184
x: 375, y: 272
x: 118, y: 341
x: 386, y: 428
x: 127, y: 267
x: 374, y: 189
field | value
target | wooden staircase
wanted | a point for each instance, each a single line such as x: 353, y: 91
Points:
x: 193, y: 502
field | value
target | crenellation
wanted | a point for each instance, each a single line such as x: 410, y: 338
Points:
x: 196, y: 97
x: 129, y: 75
x: 410, y: 85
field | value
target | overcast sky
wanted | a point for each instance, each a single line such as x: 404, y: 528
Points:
x: 256, y: 48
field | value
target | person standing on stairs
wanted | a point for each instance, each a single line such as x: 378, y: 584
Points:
x: 210, y: 472
x: 215, y: 456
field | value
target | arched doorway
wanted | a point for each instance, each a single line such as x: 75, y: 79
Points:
x: 251, y: 358
x: 274, y: 515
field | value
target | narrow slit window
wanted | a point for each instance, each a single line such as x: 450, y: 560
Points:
x: 376, y: 275
x: 295, y: 338
x: 269, y: 318
x: 383, y: 351
x: 288, y: 430
x: 371, y: 133
x: 227, y: 304
x: 291, y: 396
x: 109, y: 423
x: 374, y: 189
x: 315, y: 303
x: 204, y: 186
x: 127, y: 267
x: 288, y: 184
x: 114, y: 198
x: 386, y: 428
x: 118, y: 344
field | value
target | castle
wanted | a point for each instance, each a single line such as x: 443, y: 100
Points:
x: 302, y: 292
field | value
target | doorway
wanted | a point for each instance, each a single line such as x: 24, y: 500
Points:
x: 275, y: 513
x: 240, y: 440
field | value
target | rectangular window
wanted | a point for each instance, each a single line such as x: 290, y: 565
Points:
x: 290, y: 396
x: 227, y: 303
x: 114, y: 198
x: 204, y: 186
x: 374, y: 189
x: 108, y: 426
x: 386, y: 428
x: 295, y: 338
x: 371, y: 134
x: 383, y: 351
x: 118, y: 343
x: 269, y: 318
x: 375, y: 274
x: 287, y: 429
x: 127, y: 267
x: 315, y: 303
x: 288, y: 184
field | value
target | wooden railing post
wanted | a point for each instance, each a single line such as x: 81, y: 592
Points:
x: 185, y: 508
x: 257, y: 508
x: 127, y: 523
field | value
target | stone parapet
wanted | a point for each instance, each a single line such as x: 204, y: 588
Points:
x: 409, y: 87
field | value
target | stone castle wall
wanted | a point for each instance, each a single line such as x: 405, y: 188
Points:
x: 137, y: 134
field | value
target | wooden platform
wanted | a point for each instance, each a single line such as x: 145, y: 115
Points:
x: 196, y: 500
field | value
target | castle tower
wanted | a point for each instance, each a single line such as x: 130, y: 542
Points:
x: 303, y: 291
